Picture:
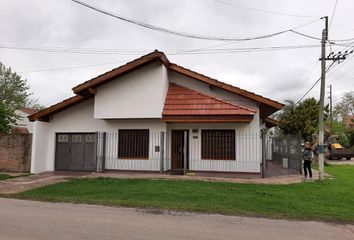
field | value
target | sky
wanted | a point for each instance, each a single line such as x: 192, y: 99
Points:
x: 280, y: 75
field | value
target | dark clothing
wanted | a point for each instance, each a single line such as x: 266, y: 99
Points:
x: 306, y: 155
x: 307, y: 166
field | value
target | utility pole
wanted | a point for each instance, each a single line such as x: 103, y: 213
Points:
x: 330, y: 108
x: 322, y: 95
x: 335, y: 57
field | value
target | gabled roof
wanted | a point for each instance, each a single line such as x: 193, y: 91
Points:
x: 156, y: 55
x: 44, y: 114
x: 87, y: 89
x: 124, y: 69
x: 184, y: 101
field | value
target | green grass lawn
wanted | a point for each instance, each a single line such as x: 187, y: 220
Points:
x: 5, y: 176
x: 331, y: 200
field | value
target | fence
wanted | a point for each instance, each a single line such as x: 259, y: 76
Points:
x: 180, y: 151
x: 220, y: 151
x: 282, y: 155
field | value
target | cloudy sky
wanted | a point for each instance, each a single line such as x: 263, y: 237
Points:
x: 70, y: 44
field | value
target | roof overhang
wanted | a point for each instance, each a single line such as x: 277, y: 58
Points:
x: 44, y: 115
x: 270, y: 122
x: 84, y: 88
x: 88, y: 89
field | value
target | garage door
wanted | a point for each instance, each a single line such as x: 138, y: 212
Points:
x: 75, y: 152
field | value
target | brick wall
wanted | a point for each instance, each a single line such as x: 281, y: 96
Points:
x: 15, y: 152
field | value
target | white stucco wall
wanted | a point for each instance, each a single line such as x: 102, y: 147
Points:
x: 40, y: 148
x: 139, y: 94
x: 135, y: 101
x: 247, y: 145
x: 80, y: 118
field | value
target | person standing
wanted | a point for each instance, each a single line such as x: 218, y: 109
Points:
x: 306, y: 155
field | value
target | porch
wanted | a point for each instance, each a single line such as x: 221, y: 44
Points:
x: 211, y: 151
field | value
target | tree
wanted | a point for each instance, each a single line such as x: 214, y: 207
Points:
x: 14, y: 94
x: 302, y: 118
x: 345, y: 106
x: 7, y: 118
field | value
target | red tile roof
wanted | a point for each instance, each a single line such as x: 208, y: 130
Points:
x: 184, y: 101
x: 87, y: 89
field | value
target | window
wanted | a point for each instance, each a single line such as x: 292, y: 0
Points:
x: 63, y: 138
x: 90, y: 138
x: 133, y: 143
x: 76, y: 138
x: 218, y: 144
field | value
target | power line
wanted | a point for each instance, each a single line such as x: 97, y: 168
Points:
x: 243, y: 50
x: 328, y: 69
x: 309, y: 75
x: 73, y: 50
x: 68, y: 68
x: 195, y: 51
x: 206, y: 50
x: 263, y: 10
x: 184, y: 34
x: 334, y: 11
x: 315, y: 83
x: 332, y: 41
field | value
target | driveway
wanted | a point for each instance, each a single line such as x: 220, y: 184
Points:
x: 21, y: 219
x: 15, y: 185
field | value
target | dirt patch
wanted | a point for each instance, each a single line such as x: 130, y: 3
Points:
x: 24, y: 183
x: 272, y: 180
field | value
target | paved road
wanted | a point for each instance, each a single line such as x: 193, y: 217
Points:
x: 38, y: 220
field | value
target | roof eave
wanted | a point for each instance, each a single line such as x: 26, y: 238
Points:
x: 44, y: 115
x: 81, y: 89
x: 207, y: 118
x: 213, y: 82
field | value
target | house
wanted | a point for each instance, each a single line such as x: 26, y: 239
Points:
x: 23, y: 125
x: 153, y: 115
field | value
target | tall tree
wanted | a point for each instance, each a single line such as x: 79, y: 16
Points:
x: 345, y: 106
x: 302, y: 118
x: 14, y: 94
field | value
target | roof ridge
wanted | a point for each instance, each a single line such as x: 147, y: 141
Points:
x: 202, y: 94
x: 149, y: 56
x: 222, y: 83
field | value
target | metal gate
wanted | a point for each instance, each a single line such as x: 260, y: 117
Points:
x: 282, y: 155
x: 75, y: 152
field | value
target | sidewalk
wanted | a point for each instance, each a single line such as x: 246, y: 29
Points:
x: 28, y: 182
x: 272, y: 180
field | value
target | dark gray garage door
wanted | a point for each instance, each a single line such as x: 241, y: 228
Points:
x: 75, y: 151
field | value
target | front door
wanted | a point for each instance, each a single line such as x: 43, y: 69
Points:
x: 179, y: 149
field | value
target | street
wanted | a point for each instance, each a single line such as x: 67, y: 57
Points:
x: 21, y: 219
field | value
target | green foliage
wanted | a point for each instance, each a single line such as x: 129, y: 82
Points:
x: 13, y: 89
x: 343, y: 139
x: 345, y: 106
x: 297, y: 201
x: 7, y: 118
x: 13, y: 95
x: 302, y: 118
